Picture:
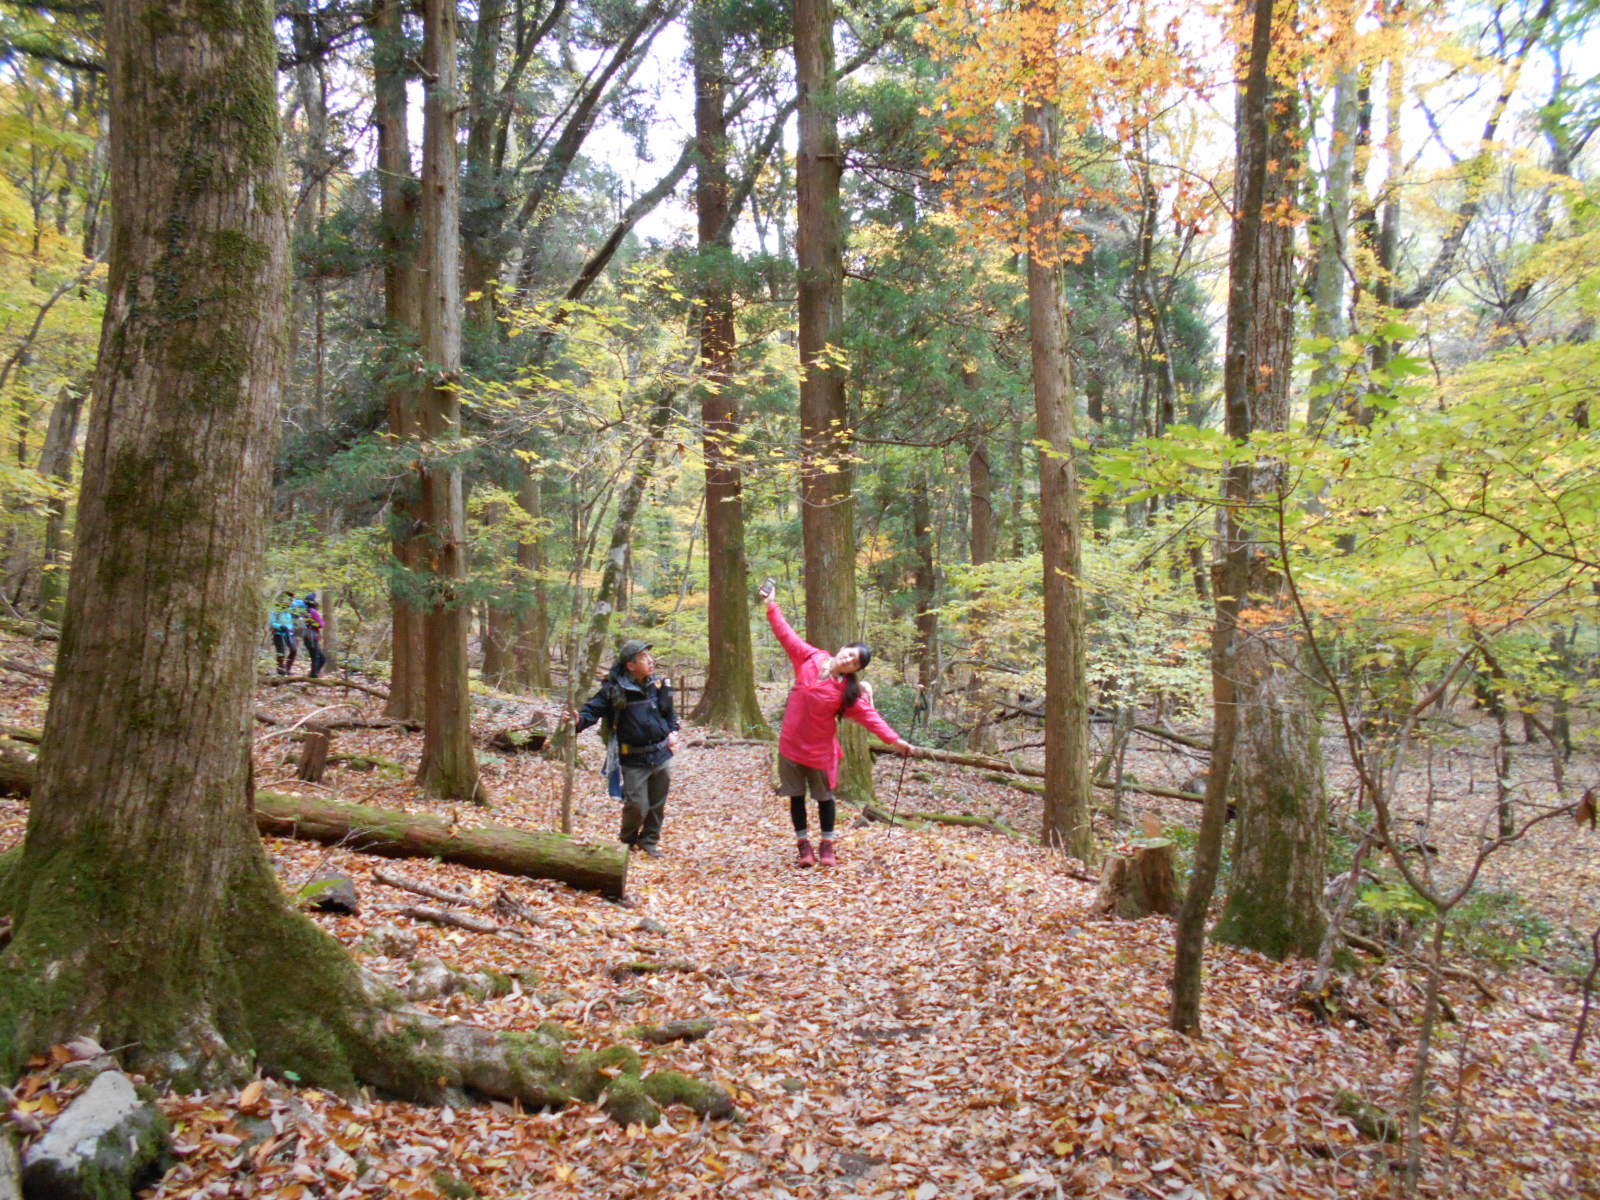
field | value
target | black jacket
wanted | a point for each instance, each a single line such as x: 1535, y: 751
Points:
x: 641, y: 713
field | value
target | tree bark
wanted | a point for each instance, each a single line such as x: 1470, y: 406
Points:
x: 729, y: 700
x: 536, y: 854
x: 827, y: 453
x: 55, y: 463
x: 1333, y: 247
x: 1066, y: 730
x: 925, y: 586
x: 449, y: 767
x: 314, y: 755
x: 399, y: 199
x: 1274, y: 901
x: 980, y: 484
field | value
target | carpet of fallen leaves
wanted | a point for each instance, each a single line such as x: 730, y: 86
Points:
x: 935, y: 1017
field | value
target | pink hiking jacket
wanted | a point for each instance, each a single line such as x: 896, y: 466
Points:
x: 810, y: 734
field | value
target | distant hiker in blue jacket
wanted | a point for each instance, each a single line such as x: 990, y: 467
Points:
x: 283, y: 632
x: 636, y: 714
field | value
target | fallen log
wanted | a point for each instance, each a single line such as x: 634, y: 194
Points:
x: 319, y: 681
x: 423, y: 889
x: 673, y: 1031
x: 1172, y: 735
x: 442, y: 916
x: 987, y: 762
x: 535, y: 854
x: 28, y: 669
x: 992, y: 824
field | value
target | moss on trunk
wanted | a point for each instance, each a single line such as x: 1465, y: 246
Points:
x: 281, y: 996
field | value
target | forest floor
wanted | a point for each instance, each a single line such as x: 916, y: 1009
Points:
x: 938, y: 1016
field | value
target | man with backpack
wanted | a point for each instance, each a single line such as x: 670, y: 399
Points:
x: 637, y: 719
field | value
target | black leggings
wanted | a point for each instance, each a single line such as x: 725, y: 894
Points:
x: 825, y: 814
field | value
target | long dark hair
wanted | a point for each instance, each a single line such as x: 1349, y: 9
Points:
x: 852, y: 681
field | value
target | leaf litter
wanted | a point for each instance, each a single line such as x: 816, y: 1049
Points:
x: 935, y: 1017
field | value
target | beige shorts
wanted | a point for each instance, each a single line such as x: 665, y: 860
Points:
x: 796, y: 780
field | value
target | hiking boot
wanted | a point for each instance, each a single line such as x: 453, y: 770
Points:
x: 649, y: 851
x: 825, y: 854
x: 807, y: 856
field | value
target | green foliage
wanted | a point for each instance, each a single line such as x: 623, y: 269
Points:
x: 1146, y: 627
x: 1491, y: 926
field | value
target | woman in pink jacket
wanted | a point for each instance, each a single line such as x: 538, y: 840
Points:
x: 825, y: 690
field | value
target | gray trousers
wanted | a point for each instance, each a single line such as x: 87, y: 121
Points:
x: 644, y: 802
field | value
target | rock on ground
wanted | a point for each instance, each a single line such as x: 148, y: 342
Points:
x: 99, y: 1146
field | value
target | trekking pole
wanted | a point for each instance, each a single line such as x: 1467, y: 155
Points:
x: 905, y: 761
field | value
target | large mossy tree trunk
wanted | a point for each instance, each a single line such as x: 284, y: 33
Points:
x: 144, y: 911
x: 827, y: 448
x: 1066, y: 719
x: 141, y: 876
x: 1274, y: 902
x: 449, y: 767
x: 729, y: 700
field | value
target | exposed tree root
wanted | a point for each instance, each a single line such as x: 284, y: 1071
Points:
x: 285, y: 998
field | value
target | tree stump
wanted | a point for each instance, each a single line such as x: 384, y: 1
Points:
x: 314, y: 755
x: 1139, y: 882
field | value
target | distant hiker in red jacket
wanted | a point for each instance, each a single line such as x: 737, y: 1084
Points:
x: 826, y: 689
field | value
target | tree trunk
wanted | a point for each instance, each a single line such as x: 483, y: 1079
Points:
x: 484, y: 200
x: 534, y: 854
x: 925, y: 586
x: 55, y: 463
x: 398, y: 233
x: 144, y: 911
x: 1274, y: 902
x: 533, y: 613
x: 729, y: 700
x: 980, y: 483
x: 449, y: 767
x: 1333, y: 247
x: 826, y: 438
x: 1066, y: 723
x: 1241, y: 375
x: 141, y: 882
